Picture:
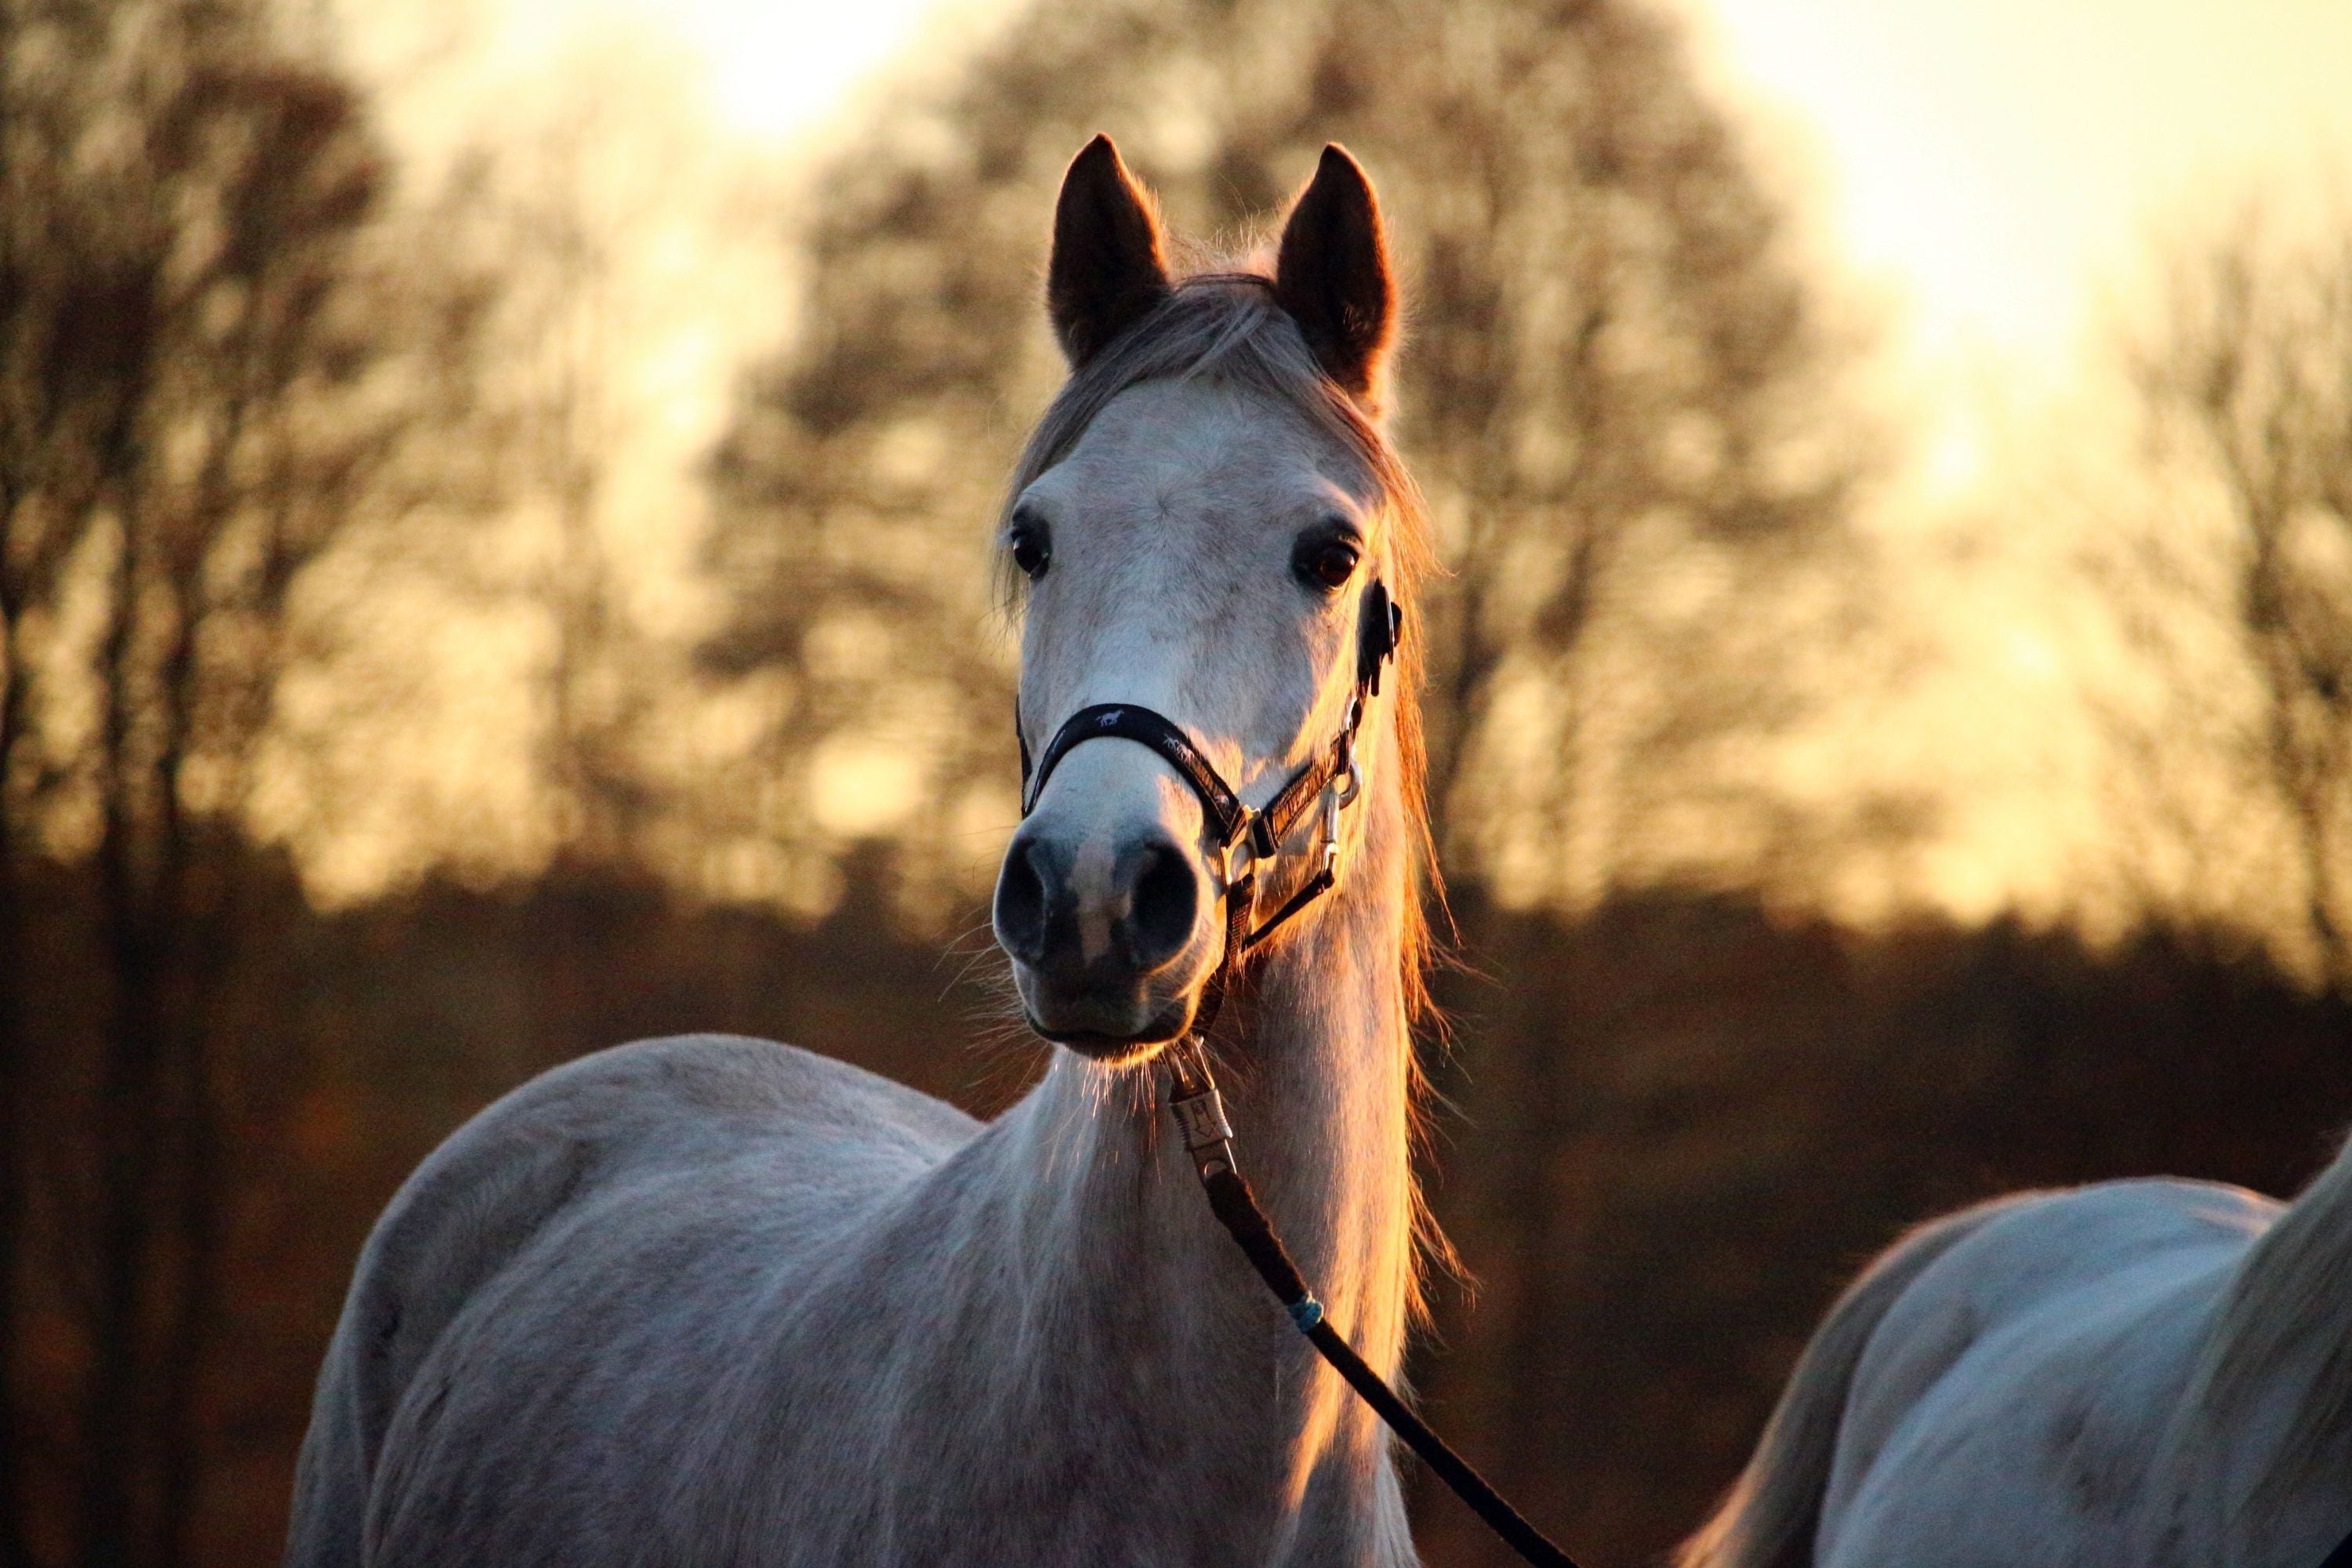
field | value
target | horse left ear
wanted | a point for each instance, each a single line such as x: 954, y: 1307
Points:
x: 1332, y: 276
x: 1108, y: 270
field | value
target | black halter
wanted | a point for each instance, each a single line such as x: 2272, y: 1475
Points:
x: 1331, y: 776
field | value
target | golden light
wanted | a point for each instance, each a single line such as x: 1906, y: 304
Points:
x: 1999, y: 161
x: 772, y: 71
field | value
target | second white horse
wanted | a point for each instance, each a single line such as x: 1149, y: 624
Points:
x: 2137, y: 1374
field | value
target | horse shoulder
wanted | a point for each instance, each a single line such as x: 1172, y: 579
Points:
x: 500, y: 1181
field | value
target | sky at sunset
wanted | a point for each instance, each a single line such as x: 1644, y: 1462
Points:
x: 1991, y: 161
x: 1999, y: 159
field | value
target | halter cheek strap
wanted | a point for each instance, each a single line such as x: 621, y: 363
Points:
x: 1331, y: 776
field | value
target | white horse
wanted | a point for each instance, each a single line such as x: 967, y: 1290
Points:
x: 715, y: 1300
x: 2134, y: 1374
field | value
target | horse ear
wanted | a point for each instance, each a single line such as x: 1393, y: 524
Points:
x: 1106, y: 270
x: 1332, y: 276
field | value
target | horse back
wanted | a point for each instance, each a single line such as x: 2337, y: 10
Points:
x: 2040, y: 1362
x: 636, y: 1117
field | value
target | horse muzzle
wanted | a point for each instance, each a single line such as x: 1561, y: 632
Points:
x: 1108, y: 939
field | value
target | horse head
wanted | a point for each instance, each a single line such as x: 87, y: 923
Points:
x: 1206, y: 528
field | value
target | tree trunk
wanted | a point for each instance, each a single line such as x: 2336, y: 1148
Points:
x: 134, y: 1122
x: 2316, y: 845
x: 14, y: 1084
x: 208, y: 941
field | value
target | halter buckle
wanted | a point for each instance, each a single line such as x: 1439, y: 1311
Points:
x: 1245, y: 848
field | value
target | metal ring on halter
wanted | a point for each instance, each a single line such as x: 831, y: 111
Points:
x: 1241, y: 851
x: 1351, y: 783
x: 1339, y: 794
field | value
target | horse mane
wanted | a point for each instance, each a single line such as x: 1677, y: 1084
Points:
x: 1221, y: 321
x: 2289, y: 1304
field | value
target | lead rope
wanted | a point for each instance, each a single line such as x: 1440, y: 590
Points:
x: 1200, y: 1113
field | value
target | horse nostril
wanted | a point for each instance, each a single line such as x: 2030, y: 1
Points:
x: 1146, y: 909
x: 1021, y: 900
x: 1165, y: 903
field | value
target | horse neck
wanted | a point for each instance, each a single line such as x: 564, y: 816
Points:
x: 1315, y: 1065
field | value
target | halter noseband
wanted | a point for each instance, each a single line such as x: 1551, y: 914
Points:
x: 1332, y: 775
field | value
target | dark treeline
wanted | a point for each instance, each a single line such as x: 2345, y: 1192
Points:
x: 1754, y: 1103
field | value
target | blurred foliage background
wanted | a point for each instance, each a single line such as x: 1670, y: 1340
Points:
x: 470, y: 596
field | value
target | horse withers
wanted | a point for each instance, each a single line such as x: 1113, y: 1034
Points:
x: 713, y: 1301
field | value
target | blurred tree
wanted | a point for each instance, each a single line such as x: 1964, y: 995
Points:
x: 560, y: 314
x: 1620, y: 393
x: 213, y: 363
x: 612, y: 203
x: 2245, y: 384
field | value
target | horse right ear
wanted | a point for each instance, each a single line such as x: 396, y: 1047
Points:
x: 1108, y: 271
x: 1332, y: 276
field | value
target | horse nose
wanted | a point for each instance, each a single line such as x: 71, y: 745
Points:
x: 1079, y: 930
x: 1026, y: 891
x: 1162, y: 902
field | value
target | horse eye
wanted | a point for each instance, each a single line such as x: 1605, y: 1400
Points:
x: 1325, y: 564
x: 1033, y: 549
